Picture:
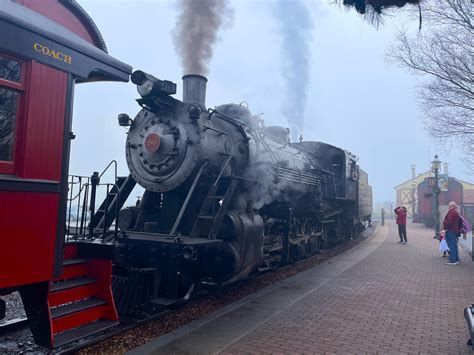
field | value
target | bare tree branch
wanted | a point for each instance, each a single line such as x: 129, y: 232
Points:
x: 443, y: 56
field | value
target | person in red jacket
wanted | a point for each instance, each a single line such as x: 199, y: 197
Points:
x: 401, y: 213
x: 451, y: 226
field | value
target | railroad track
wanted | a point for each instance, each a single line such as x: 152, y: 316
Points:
x: 130, y: 324
x: 13, y: 325
x: 117, y: 330
x: 123, y: 328
x: 10, y: 327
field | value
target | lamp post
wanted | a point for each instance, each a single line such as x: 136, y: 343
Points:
x: 413, y: 199
x: 435, y: 166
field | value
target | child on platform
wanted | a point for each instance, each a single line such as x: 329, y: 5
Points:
x: 443, y: 246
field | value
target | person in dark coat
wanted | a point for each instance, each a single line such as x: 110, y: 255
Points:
x: 451, y: 226
x: 401, y: 213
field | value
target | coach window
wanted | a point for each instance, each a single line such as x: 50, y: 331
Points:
x: 11, y: 87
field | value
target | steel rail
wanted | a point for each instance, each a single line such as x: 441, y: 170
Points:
x: 13, y: 325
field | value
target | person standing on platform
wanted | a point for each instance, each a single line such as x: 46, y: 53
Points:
x: 401, y: 213
x: 451, y: 226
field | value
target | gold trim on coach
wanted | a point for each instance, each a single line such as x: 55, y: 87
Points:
x: 52, y: 53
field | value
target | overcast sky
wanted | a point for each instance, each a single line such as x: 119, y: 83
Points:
x: 356, y: 101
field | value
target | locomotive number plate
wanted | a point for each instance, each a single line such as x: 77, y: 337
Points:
x: 152, y: 142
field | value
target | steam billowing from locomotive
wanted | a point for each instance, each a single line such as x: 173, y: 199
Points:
x: 196, y: 32
x: 295, y: 25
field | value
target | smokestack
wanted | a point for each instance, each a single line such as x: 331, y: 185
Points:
x: 445, y: 168
x: 194, y: 89
x: 413, y: 171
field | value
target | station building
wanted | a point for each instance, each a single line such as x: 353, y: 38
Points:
x: 416, y: 194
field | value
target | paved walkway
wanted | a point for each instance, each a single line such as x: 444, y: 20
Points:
x: 378, y: 297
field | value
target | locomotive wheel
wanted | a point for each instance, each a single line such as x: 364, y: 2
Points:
x: 302, y: 253
x: 340, y: 230
x: 220, y: 261
x: 316, y: 243
x: 309, y: 247
x: 308, y: 226
x: 319, y: 244
x: 298, y: 252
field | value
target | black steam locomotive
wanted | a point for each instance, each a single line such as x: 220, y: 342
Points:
x: 224, y: 196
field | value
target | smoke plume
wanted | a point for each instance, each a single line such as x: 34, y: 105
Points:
x: 295, y: 25
x: 196, y: 32
x: 267, y: 188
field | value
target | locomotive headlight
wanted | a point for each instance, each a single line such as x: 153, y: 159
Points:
x: 148, y: 85
x: 146, y: 88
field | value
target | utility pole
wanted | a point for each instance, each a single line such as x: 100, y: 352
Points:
x: 436, y: 164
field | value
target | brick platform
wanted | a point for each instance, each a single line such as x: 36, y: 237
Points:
x: 382, y: 297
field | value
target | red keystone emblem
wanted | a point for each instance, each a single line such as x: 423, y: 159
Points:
x: 152, y: 142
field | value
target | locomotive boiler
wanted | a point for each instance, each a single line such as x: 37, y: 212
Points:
x: 224, y: 195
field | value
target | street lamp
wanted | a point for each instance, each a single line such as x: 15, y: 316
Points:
x: 435, y: 166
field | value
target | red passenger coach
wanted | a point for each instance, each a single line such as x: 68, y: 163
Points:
x: 45, y: 48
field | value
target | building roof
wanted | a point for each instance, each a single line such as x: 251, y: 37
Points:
x: 419, y: 178
x: 467, y: 186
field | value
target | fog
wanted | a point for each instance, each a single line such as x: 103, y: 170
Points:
x: 356, y: 100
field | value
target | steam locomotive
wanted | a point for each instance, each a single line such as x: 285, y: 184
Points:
x: 224, y: 196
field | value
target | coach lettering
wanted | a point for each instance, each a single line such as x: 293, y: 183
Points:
x: 52, y: 53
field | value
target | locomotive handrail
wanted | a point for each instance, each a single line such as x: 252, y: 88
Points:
x: 94, y: 182
x: 238, y: 177
x: 108, y: 166
x: 80, y: 215
x: 228, y: 118
x: 80, y: 190
x: 223, y: 169
x: 328, y: 172
x: 214, y: 129
x: 261, y: 139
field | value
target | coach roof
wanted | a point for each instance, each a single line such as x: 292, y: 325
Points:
x: 22, y: 28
